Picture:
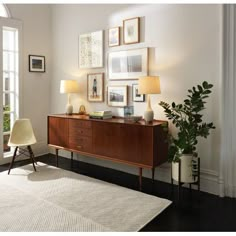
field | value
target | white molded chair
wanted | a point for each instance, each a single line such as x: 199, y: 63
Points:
x: 22, y: 135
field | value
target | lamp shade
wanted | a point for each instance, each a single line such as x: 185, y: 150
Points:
x: 149, y: 85
x: 69, y: 86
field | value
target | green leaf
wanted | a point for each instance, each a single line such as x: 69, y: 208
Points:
x: 205, y: 85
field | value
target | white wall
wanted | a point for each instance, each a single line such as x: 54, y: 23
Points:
x: 35, y: 92
x: 185, y: 49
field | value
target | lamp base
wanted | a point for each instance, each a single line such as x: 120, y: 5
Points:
x: 69, y: 109
x: 148, y: 116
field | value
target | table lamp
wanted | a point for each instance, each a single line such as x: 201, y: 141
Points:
x: 149, y: 85
x: 69, y: 86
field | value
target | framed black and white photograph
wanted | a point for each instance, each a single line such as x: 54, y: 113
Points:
x: 130, y: 64
x: 136, y: 96
x: 131, y: 30
x: 91, y: 50
x: 114, y: 37
x: 36, y: 63
x: 95, y: 87
x: 117, y: 96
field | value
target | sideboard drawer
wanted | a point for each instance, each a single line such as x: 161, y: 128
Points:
x: 80, y: 143
x: 75, y: 124
x: 80, y: 132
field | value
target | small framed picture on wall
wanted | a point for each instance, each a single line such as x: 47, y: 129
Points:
x: 36, y: 63
x: 117, y: 96
x: 114, y: 37
x: 136, y: 96
x: 95, y: 87
x: 131, y: 30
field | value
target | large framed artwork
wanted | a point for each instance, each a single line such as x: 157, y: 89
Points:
x: 91, y: 50
x: 131, y: 30
x: 130, y: 64
x: 117, y: 96
x: 95, y: 87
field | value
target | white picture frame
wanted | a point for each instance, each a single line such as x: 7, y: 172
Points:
x: 117, y: 95
x: 129, y: 64
x: 91, y: 48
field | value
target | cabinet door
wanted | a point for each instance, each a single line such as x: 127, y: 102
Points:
x: 137, y: 144
x: 106, y: 139
x: 58, y: 131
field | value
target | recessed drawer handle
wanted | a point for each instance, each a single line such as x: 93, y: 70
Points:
x: 79, y: 146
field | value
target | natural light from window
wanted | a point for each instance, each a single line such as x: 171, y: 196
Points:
x: 10, y: 82
x: 3, y: 11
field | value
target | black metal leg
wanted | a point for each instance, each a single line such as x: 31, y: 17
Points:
x: 71, y: 156
x: 13, y: 159
x: 198, y: 186
x: 56, y: 157
x: 153, y: 174
x: 179, y: 182
x: 31, y: 156
x: 140, y: 178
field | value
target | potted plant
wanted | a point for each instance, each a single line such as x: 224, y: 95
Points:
x: 188, y: 119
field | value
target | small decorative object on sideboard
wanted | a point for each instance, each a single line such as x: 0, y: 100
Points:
x: 133, y: 119
x: 128, y: 111
x: 103, y: 115
x: 36, y: 63
x: 188, y: 118
x: 82, y: 110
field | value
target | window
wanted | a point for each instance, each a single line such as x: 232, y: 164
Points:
x: 10, y: 82
x: 10, y: 71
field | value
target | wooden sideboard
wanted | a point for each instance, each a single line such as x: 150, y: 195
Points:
x: 137, y: 144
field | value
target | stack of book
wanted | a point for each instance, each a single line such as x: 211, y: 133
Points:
x: 101, y: 115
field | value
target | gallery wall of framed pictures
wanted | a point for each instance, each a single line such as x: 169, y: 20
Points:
x: 121, y: 65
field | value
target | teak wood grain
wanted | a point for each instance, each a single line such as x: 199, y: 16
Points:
x: 138, y: 144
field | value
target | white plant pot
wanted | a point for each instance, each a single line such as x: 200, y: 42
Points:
x: 186, y: 169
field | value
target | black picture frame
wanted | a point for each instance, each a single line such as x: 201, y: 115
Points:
x: 37, y: 63
x: 135, y: 96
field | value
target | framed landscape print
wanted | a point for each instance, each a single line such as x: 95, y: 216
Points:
x: 95, y: 85
x: 36, y: 63
x: 117, y: 96
x: 130, y: 64
x: 131, y: 30
x: 136, y: 96
x: 91, y: 50
x: 114, y: 37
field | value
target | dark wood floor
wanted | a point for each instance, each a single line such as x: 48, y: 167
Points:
x: 206, y: 213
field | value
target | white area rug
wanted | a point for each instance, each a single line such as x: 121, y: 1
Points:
x: 53, y: 199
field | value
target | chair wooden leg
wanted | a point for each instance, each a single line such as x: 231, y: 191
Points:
x: 13, y: 159
x: 31, y: 156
